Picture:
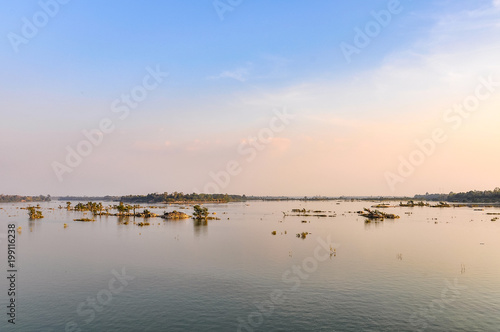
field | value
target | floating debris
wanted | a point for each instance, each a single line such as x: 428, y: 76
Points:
x: 441, y: 205
x: 302, y: 235
x: 413, y: 204
x: 380, y: 206
x: 333, y: 252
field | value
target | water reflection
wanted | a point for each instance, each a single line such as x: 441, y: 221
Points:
x: 124, y: 220
x: 200, y: 227
x: 31, y: 224
x: 369, y: 223
x: 376, y: 223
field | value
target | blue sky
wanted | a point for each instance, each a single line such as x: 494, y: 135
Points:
x: 225, y: 79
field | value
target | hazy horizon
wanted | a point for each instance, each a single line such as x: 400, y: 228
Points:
x: 391, y: 98
x: 170, y: 192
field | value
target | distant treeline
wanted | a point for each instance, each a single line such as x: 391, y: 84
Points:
x: 475, y: 196
x: 18, y: 198
x: 379, y: 198
x: 89, y: 198
x: 181, y: 197
x: 296, y: 198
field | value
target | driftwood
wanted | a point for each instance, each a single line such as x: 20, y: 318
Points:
x: 376, y: 214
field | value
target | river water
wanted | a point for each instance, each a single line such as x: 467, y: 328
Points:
x: 434, y: 269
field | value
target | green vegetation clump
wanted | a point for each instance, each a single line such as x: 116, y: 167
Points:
x: 122, y: 209
x: 147, y: 214
x: 90, y: 206
x: 200, y: 213
x: 174, y: 215
x: 34, y: 213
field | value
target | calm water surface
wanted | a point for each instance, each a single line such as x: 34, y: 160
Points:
x: 431, y: 270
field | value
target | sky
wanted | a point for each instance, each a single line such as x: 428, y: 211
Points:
x: 296, y: 98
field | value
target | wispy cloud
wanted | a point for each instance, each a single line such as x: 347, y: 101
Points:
x: 264, y: 67
x: 240, y: 74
